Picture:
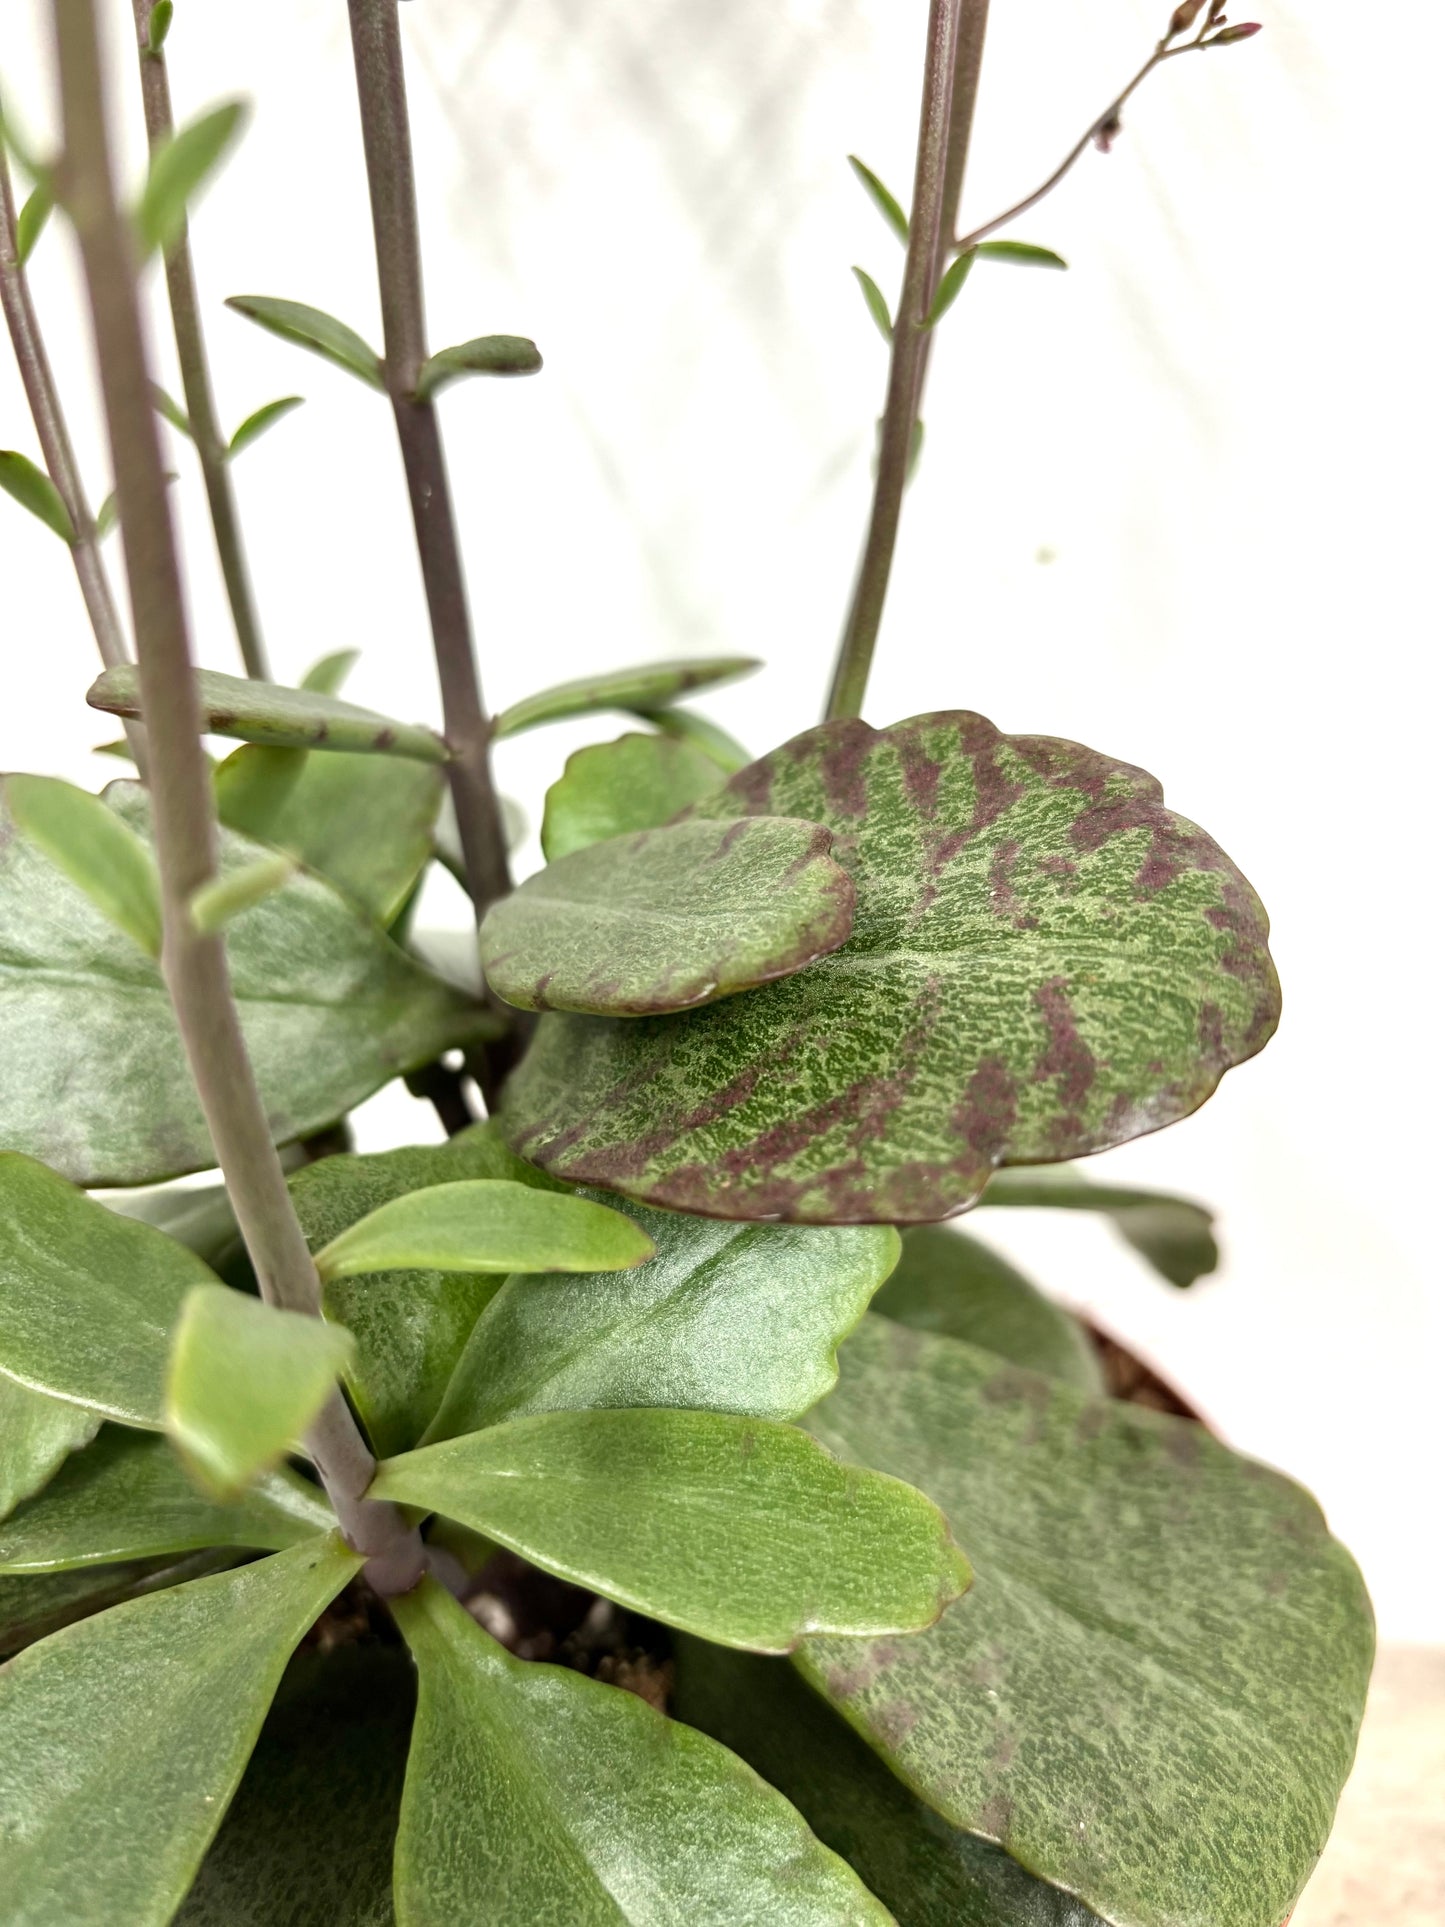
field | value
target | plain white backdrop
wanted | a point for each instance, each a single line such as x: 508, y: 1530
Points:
x: 1182, y: 504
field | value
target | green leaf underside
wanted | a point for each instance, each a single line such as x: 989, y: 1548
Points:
x: 310, y: 328
x: 269, y: 712
x: 736, y: 1528
x: 88, y: 1297
x: 669, y: 919
x: 651, y: 685
x: 365, y: 823
x: 1149, y: 1611
x: 98, y: 852
x: 535, y: 1794
x: 886, y: 203
x: 33, y: 1605
x: 726, y: 1318
x: 409, y: 1326
x: 243, y: 1383
x: 487, y: 355
x: 487, y: 1224
x: 331, y: 1010
x: 1022, y: 253
x: 33, y: 489
x: 178, y: 169
x: 1044, y: 961
x: 928, y: 1873
x: 308, y: 1839
x: 37, y: 1436
x: 255, y: 425
x: 614, y: 789
x: 1175, y: 1235
x: 129, y: 1497
x: 948, y: 1282
x: 701, y: 732
x: 876, y: 303
x: 125, y: 1737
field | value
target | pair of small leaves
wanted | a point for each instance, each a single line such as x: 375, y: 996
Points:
x: 339, y: 344
x: 1021, y: 253
x: 251, y: 429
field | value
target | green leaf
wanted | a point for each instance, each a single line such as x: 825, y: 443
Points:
x: 309, y: 328
x: 95, y: 850
x: 215, y: 904
x: 89, y: 1298
x: 245, y: 1380
x: 486, y: 1224
x: 1045, y: 962
x: 877, y: 306
x: 107, y: 517
x: 330, y: 1008
x: 651, y: 686
x: 33, y: 489
x: 128, y: 1497
x: 669, y: 919
x: 197, y: 1216
x: 736, y: 1528
x: 1175, y: 1234
x: 178, y: 169
x: 37, y: 1436
x: 310, y: 1834
x: 267, y: 712
x: 162, y: 14
x: 948, y: 1282
x: 410, y: 1326
x: 34, y: 1605
x: 950, y: 286
x: 726, y: 1318
x: 1150, y: 1612
x: 487, y: 355
x: 365, y: 823
x: 169, y: 409
x: 878, y: 194
x: 255, y: 425
x: 1021, y: 253
x: 125, y: 1737
x: 928, y: 1873
x: 328, y: 674
x: 535, y: 1794
x: 38, y: 208
x: 702, y: 733
x: 610, y: 789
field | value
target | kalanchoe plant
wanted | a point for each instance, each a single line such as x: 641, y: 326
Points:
x: 863, y: 1599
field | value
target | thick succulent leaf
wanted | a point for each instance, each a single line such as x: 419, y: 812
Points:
x: 33, y: 1605
x: 1151, y: 1695
x: 409, y: 1326
x: 365, y: 823
x: 726, y: 1318
x: 37, y: 1436
x: 487, y: 1224
x: 535, y: 1794
x: 1176, y: 1235
x: 948, y: 1282
x: 331, y: 1009
x: 614, y: 789
x: 1045, y: 961
x: 104, y: 856
x: 269, y: 712
x: 928, y: 1873
x: 125, y: 1737
x: 652, y: 685
x: 736, y: 1528
x: 128, y: 1497
x: 702, y: 732
x: 312, y: 328
x: 244, y: 1382
x: 487, y: 355
x: 309, y: 1837
x: 197, y: 1216
x: 669, y: 919
x: 88, y: 1298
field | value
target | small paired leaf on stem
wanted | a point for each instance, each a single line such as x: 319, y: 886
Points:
x: 650, y: 687
x: 487, y: 355
x: 256, y: 425
x: 179, y: 167
x: 886, y: 203
x: 33, y: 489
x: 311, y: 328
x: 38, y: 208
x: 216, y: 903
x: 95, y: 849
x: 876, y: 304
x: 169, y: 409
x: 162, y: 14
x: 266, y: 712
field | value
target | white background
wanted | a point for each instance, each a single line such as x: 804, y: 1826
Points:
x: 1182, y: 503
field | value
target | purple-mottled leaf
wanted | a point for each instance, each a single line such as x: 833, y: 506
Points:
x: 1045, y: 961
x: 669, y: 919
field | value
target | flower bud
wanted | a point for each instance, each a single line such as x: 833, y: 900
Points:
x: 1245, y: 31
x: 1185, y: 15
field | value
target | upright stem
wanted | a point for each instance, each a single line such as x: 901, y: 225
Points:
x: 850, y: 679
x: 38, y: 379
x: 967, y: 68
x: 211, y: 444
x: 386, y: 133
x: 185, y: 829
